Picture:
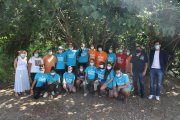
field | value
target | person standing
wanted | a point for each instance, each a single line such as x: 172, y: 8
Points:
x: 71, y: 57
x: 101, y: 56
x: 60, y: 61
x: 111, y: 57
x: 139, y: 64
x: 92, y: 53
x: 121, y: 59
x: 49, y: 61
x: 83, y: 56
x: 21, y: 73
x: 158, y: 60
x: 33, y: 64
x: 128, y: 60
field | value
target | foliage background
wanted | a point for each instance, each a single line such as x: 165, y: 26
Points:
x: 43, y: 24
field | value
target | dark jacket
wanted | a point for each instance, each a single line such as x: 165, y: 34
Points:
x: 163, y: 58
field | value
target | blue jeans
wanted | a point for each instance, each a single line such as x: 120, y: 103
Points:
x: 156, y: 74
x: 136, y: 77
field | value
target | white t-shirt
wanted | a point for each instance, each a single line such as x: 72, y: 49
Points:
x: 35, y: 64
x: 156, y: 62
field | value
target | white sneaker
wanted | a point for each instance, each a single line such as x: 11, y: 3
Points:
x: 53, y: 93
x: 157, y: 98
x: 85, y: 94
x: 45, y: 95
x: 150, y: 97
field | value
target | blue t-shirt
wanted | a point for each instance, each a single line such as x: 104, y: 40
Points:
x: 110, y: 76
x: 100, y: 74
x: 54, y: 78
x: 111, y: 58
x: 91, y: 72
x: 60, y: 64
x: 41, y: 79
x: 84, y: 57
x: 71, y: 57
x: 121, y: 81
x: 69, y: 77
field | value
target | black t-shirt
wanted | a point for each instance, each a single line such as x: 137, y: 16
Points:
x: 138, y: 62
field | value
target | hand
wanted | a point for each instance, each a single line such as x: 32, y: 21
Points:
x: 31, y: 92
x: 131, y: 73
x: 64, y: 85
x: 131, y: 81
x: 144, y: 73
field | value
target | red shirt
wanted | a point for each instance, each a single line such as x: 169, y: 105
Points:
x: 121, y: 61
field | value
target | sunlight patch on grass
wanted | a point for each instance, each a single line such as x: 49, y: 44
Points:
x: 23, y: 108
x: 6, y: 92
x: 172, y: 93
x: 71, y: 113
x: 98, y: 105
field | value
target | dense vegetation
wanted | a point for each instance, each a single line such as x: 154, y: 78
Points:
x: 43, y: 24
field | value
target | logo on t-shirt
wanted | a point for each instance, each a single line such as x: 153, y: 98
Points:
x: 141, y: 57
x: 37, y: 62
x: 60, y: 58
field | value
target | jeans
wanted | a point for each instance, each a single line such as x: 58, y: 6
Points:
x: 54, y: 87
x: 136, y: 77
x: 38, y: 91
x: 156, y: 74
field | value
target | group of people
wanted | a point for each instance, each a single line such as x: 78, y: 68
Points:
x: 96, y: 71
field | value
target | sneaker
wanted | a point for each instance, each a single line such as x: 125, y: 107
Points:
x: 157, y: 98
x: 85, y: 94
x: 45, y: 95
x: 150, y: 97
x: 53, y: 93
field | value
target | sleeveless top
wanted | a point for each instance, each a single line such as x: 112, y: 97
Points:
x: 21, y: 63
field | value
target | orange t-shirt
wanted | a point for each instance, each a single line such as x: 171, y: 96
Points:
x: 92, y: 54
x: 128, y: 60
x: 101, y: 57
x: 49, y: 61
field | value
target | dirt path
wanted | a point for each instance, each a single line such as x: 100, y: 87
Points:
x: 77, y: 107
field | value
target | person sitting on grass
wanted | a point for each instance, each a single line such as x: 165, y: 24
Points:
x: 107, y: 87
x: 80, y: 76
x: 121, y: 84
x: 90, y: 74
x: 53, y: 83
x: 68, y: 80
x: 39, y: 83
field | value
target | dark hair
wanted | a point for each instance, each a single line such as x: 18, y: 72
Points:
x: 116, y: 69
x: 101, y: 63
x: 157, y: 41
x: 53, y: 68
x: 99, y: 46
x: 80, y: 51
x: 35, y: 51
x: 49, y: 49
x: 107, y: 71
